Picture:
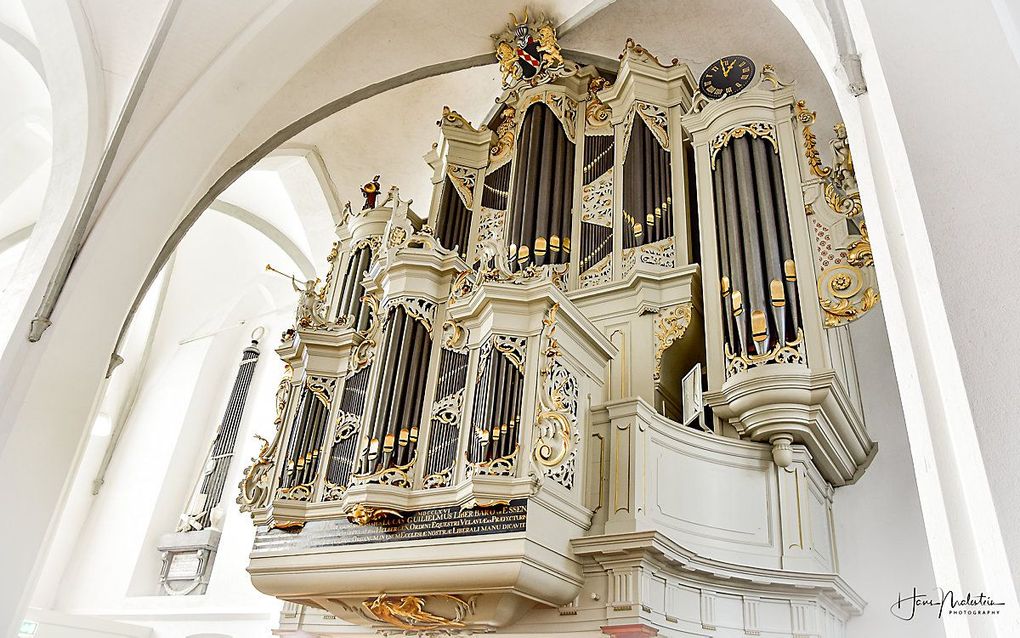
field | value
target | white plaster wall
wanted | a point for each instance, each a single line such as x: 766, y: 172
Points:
x: 954, y: 78
x: 880, y: 539
x: 218, y: 292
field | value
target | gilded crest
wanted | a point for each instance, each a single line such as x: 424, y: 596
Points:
x: 528, y: 52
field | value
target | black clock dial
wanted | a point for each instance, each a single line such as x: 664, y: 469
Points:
x: 726, y: 76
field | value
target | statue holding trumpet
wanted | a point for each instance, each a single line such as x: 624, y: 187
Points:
x: 311, y: 309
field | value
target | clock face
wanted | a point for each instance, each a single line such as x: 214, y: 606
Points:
x: 726, y: 76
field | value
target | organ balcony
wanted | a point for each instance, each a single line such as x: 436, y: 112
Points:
x: 599, y: 384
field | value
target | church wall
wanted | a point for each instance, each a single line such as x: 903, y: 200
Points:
x: 964, y: 161
x: 113, y: 568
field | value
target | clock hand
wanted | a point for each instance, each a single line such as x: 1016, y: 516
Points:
x: 725, y: 69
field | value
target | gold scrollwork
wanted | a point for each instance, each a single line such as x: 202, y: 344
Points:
x: 364, y: 515
x: 455, y: 119
x: 763, y: 130
x: 501, y: 466
x: 768, y: 74
x: 441, y: 478
x: 596, y: 112
x: 504, y: 135
x: 656, y: 119
x: 463, y: 180
x: 842, y: 294
x: 670, y: 325
x: 807, y: 118
x: 454, y: 335
x: 409, y: 612
x: 636, y: 50
x: 554, y: 421
x: 859, y: 253
x: 255, y: 484
x: 397, y: 237
x: 396, y: 476
x: 790, y: 352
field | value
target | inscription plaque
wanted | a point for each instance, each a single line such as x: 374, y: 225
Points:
x: 441, y: 522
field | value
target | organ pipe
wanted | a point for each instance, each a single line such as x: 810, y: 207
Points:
x: 215, y: 476
x: 453, y: 224
x: 542, y: 192
x: 647, y: 195
x: 392, y: 430
x: 353, y: 289
x: 755, y: 250
x: 496, y: 188
x: 497, y: 409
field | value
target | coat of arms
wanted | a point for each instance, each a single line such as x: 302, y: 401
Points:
x: 528, y: 51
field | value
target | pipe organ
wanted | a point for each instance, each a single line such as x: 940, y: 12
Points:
x: 605, y: 385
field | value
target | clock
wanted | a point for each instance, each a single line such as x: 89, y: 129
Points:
x: 726, y: 76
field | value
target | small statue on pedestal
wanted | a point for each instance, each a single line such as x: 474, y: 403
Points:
x: 371, y: 192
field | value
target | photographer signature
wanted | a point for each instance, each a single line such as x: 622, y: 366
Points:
x: 906, y: 607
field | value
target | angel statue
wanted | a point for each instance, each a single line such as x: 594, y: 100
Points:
x: 311, y: 311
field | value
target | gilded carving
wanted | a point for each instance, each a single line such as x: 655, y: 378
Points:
x: 558, y: 391
x: 596, y: 112
x: 670, y: 325
x: 657, y: 121
x: 632, y: 49
x: 256, y: 485
x: 455, y: 119
x: 790, y: 352
x: 409, y: 613
x: 846, y: 283
x: 505, y: 135
x: 763, y: 130
x: 807, y: 119
x: 363, y: 515
x: 463, y: 180
x: 529, y: 53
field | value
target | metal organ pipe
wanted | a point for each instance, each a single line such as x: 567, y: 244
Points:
x: 755, y: 250
x: 542, y: 191
x: 393, y: 426
x: 453, y: 223
x: 226, y: 437
x: 353, y: 289
x: 647, y: 195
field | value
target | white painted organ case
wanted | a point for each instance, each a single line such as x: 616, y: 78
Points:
x: 607, y: 389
